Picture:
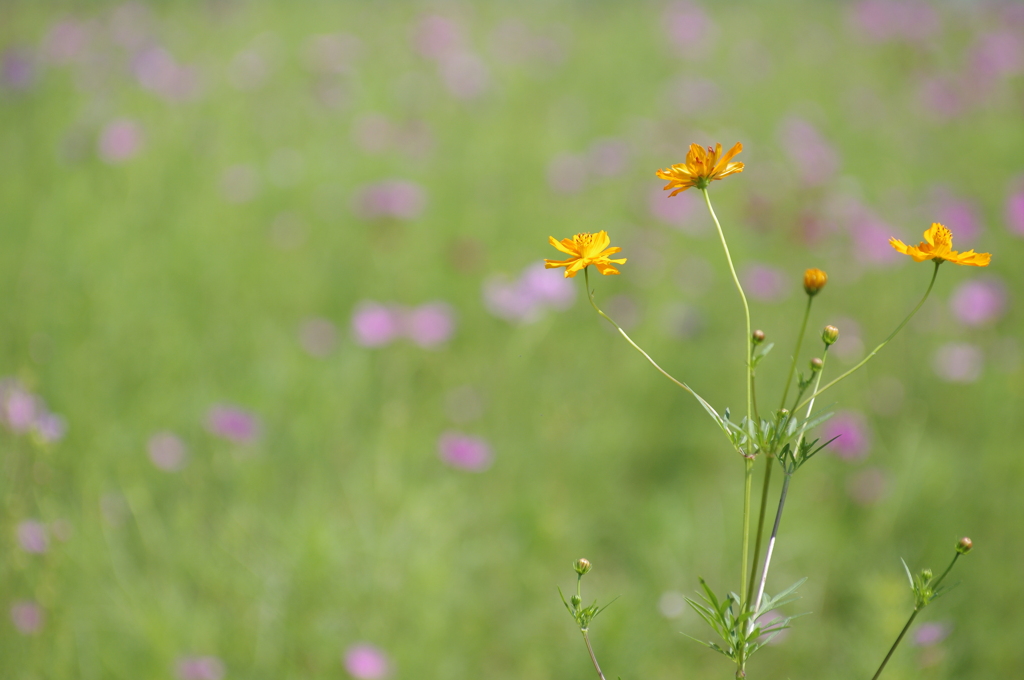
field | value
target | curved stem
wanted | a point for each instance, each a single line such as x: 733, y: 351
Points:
x: 593, y: 658
x: 865, y: 360
x: 590, y: 296
x: 796, y: 352
x: 939, y: 579
x: 743, y: 298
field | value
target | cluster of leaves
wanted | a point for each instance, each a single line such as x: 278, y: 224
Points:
x: 925, y: 587
x: 582, y: 615
x: 783, y: 434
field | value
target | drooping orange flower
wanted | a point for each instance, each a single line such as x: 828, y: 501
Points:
x: 702, y: 167
x: 585, y: 249
x: 938, y: 246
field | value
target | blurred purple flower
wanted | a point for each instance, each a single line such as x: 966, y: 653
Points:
x: 881, y: 20
x: 398, y: 199
x: 366, y: 662
x: 608, y: 157
x: 431, y: 324
x: 959, y: 213
x: 509, y: 300
x: 465, y: 75
x: 958, y: 362
x: 33, y: 537
x: 50, y: 427
x: 765, y: 283
x: 318, y: 336
x: 871, y: 236
x: 678, y: 211
x: 240, y: 183
x: 167, y: 451
x: 853, y: 437
x: 548, y: 286
x: 977, y: 302
x: 998, y: 54
x: 374, y: 324
x: 933, y: 633
x: 436, y: 37
x: 689, y: 28
x: 816, y: 159
x: 120, y: 140
x: 200, y: 668
x: 331, y: 53
x: 1015, y: 212
x: 868, y: 486
x: 27, y: 617
x: 66, y: 41
x: 567, y: 173
x: 232, y: 423
x: 17, y: 69
x: 19, y: 408
x: 942, y: 97
x: 464, y: 452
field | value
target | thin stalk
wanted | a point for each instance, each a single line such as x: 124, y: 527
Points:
x: 913, y: 615
x: 796, y: 352
x: 748, y: 476
x: 865, y: 360
x: 597, y: 666
x: 768, y: 459
x: 590, y: 296
x: 785, y: 490
x: 896, y: 644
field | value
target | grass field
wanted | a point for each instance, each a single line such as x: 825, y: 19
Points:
x: 287, y: 396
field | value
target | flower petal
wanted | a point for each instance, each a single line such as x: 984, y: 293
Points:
x: 565, y: 246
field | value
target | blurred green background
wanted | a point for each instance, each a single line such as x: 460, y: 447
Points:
x: 287, y: 396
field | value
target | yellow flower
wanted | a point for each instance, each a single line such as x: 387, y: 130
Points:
x: 586, y: 250
x: 937, y: 246
x: 814, y: 280
x: 702, y: 167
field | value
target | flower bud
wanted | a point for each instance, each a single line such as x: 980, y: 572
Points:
x: 964, y: 546
x: 757, y: 337
x: 926, y: 575
x: 814, y: 280
x: 830, y: 335
x: 816, y: 364
x: 582, y: 566
x: 576, y: 600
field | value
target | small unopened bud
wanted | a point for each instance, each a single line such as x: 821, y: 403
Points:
x: 816, y: 364
x: 582, y: 566
x: 576, y: 600
x: 926, y: 575
x: 830, y: 335
x: 814, y: 280
x: 964, y: 545
x: 757, y: 337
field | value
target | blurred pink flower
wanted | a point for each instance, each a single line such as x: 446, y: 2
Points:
x: 167, y: 451
x: 942, y: 97
x: 547, y: 286
x: 1015, y: 212
x: 431, y: 324
x: 958, y: 362
x: 868, y: 486
x: 870, y: 235
x: 157, y: 71
x: 318, y: 336
x: 27, y: 617
x: 397, y: 199
x: 120, y: 140
x: 682, y: 211
x: 882, y: 20
x: 374, y: 324
x: 464, y: 451
x: 232, y: 423
x: 528, y: 297
x: 765, y: 283
x: 931, y: 633
x: 366, y: 662
x: 689, y: 28
x: 998, y: 54
x: 19, y: 408
x: 200, y: 668
x: 17, y: 69
x: 66, y: 41
x: 465, y: 75
x: 33, y: 537
x: 977, y: 302
x: 50, y: 427
x: 853, y: 437
x: 436, y: 37
x: 816, y: 159
x: 608, y: 157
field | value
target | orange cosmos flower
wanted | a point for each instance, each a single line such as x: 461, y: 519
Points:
x: 586, y: 250
x: 702, y: 167
x: 938, y: 246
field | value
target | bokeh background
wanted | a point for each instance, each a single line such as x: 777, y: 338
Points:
x: 288, y: 394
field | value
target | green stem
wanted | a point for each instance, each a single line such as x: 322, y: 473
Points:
x: 747, y: 477
x: 597, y: 667
x: 796, y: 352
x: 865, y: 360
x: 935, y: 585
x: 768, y: 459
x: 896, y: 644
x: 590, y: 296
